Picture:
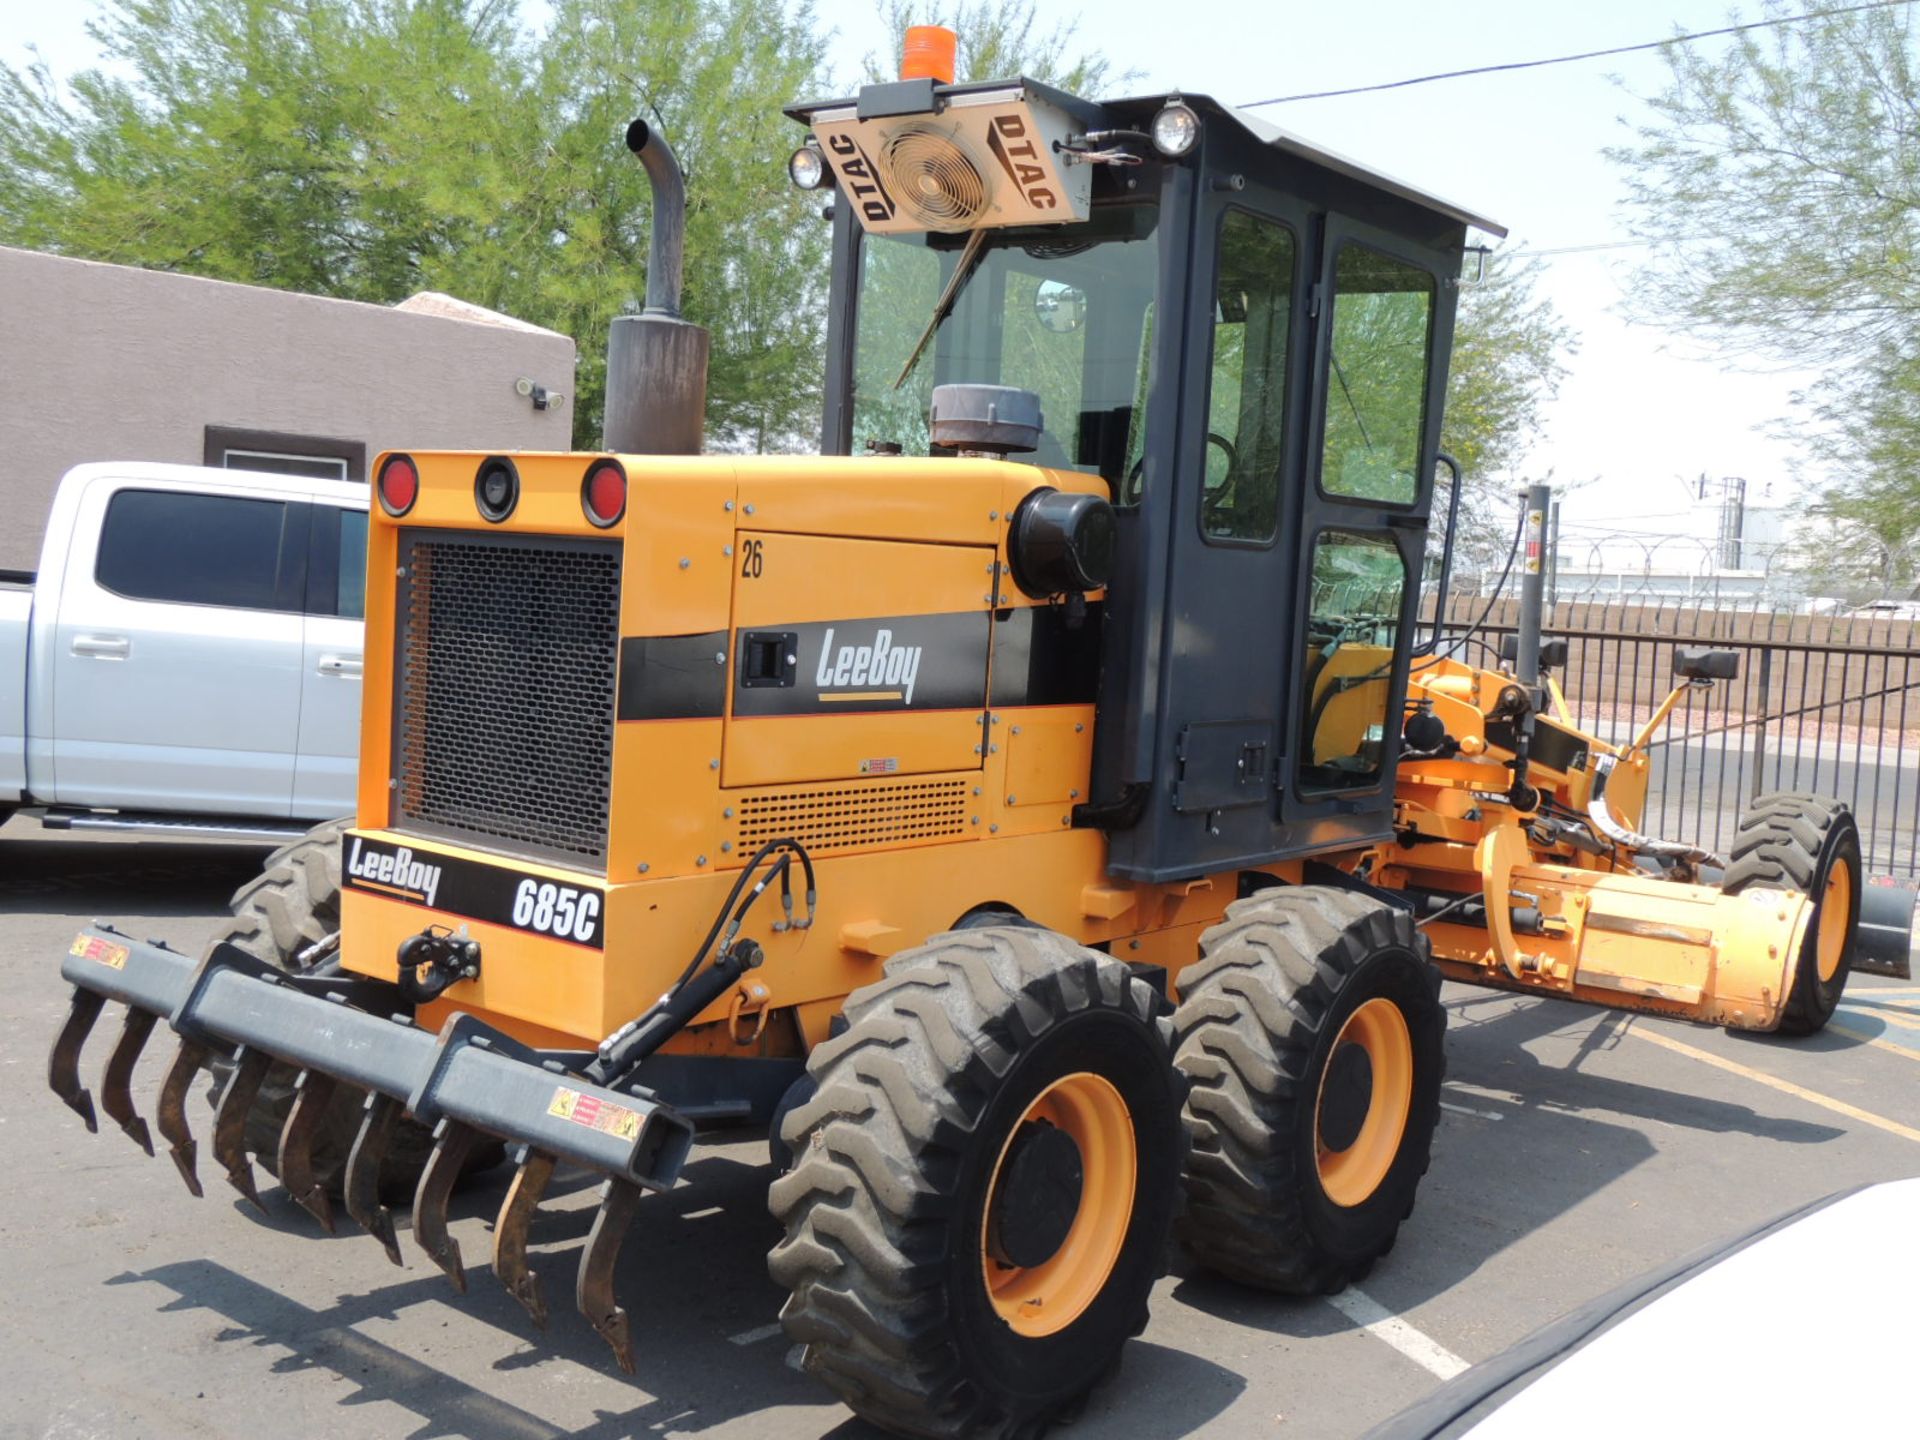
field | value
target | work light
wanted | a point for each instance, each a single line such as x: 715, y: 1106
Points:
x: 1175, y: 129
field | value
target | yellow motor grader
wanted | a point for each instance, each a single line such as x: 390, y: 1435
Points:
x: 1038, y: 809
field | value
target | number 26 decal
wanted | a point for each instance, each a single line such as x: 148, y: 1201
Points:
x: 750, y: 560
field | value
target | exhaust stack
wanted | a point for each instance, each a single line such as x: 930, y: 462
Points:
x: 656, y: 361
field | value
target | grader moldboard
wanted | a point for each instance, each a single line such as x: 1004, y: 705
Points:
x: 1055, y: 852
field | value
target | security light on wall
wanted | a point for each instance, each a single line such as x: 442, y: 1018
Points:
x: 543, y: 398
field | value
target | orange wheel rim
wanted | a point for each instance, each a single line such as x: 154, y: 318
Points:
x: 1836, y: 908
x: 1044, y: 1298
x: 1352, y: 1173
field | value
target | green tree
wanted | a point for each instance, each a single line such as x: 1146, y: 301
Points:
x: 1509, y: 356
x: 1778, y: 181
x: 368, y: 149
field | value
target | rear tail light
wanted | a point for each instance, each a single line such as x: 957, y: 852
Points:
x: 398, y: 486
x: 603, y: 494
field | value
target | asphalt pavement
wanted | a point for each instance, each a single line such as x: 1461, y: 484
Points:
x: 1576, y: 1149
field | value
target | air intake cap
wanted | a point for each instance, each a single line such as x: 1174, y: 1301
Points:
x: 996, y: 419
x: 1061, y: 543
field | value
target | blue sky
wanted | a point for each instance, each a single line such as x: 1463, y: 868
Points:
x: 1641, y: 408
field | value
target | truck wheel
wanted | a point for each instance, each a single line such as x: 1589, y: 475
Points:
x: 292, y: 904
x: 1809, y: 843
x: 1312, y: 1032
x: 983, y: 1184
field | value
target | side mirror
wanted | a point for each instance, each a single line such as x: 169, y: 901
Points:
x: 1059, y: 307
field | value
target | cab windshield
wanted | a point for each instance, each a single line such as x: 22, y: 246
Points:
x: 1063, y: 311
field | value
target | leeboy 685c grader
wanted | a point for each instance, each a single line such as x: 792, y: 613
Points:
x: 1036, y: 809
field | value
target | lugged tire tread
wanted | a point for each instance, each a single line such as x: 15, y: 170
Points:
x: 1778, y: 846
x: 1250, y: 1012
x: 863, y: 1209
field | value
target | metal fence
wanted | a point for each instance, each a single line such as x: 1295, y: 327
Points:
x: 1825, y: 703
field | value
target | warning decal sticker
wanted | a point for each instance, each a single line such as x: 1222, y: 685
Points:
x: 595, y: 1113
x: 92, y: 947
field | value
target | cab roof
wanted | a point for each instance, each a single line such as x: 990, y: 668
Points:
x: 1101, y: 115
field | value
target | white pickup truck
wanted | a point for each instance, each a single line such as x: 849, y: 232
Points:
x: 187, y: 658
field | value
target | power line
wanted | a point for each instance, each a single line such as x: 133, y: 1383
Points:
x: 1581, y: 249
x: 1584, y: 55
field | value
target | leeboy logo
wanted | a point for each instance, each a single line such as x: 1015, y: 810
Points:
x: 393, y: 870
x: 877, y: 671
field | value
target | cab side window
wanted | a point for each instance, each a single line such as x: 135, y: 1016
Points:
x: 1357, y: 590
x: 1247, y: 395
x: 1377, y: 381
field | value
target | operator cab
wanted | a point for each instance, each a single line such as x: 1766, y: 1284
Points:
x: 1246, y: 337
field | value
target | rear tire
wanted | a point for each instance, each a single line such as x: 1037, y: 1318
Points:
x: 293, y: 904
x: 1312, y: 1030
x: 954, y: 1265
x: 1809, y: 843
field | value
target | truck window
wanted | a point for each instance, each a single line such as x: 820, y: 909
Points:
x: 350, y: 590
x: 1247, y: 398
x: 195, y: 549
x: 1377, y: 388
x: 337, y: 563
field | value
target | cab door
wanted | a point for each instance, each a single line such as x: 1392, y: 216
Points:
x: 1382, y: 316
x: 1227, y: 468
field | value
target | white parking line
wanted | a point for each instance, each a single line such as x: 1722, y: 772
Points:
x: 756, y: 1335
x: 1381, y: 1323
x: 1481, y: 1092
x: 1469, y: 1110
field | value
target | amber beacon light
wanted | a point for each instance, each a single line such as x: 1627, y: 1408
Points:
x: 929, y: 54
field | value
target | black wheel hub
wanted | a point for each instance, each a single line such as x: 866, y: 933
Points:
x: 1345, y: 1096
x: 1038, y: 1194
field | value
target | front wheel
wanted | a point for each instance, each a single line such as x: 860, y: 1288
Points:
x: 1809, y: 843
x: 982, y: 1186
x: 1312, y: 1030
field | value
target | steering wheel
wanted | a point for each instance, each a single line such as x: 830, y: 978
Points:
x: 1131, y: 490
x: 1221, y: 493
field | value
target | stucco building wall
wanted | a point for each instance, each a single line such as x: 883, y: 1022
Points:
x: 107, y: 362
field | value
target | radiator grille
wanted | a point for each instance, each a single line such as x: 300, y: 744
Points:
x: 505, y: 696
x: 856, y: 816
